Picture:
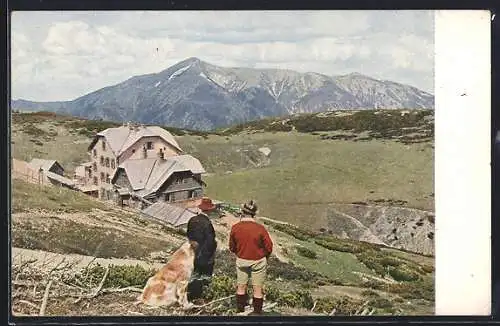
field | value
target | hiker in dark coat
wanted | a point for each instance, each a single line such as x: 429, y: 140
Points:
x: 201, y: 230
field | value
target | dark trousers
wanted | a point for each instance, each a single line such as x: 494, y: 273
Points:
x: 195, y: 287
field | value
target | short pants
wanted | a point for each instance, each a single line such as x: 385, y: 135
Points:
x: 251, y: 269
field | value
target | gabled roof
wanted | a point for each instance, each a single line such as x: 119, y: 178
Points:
x: 169, y: 213
x: 148, y: 175
x: 38, y: 163
x: 121, y: 138
x: 59, y: 178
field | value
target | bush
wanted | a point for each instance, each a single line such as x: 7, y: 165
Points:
x: 220, y: 286
x: 373, y: 262
x: 338, y: 246
x: 403, y: 274
x: 412, y: 290
x: 344, y: 306
x: 295, y: 299
x: 118, y: 276
x: 306, y: 252
x: 427, y: 269
x: 299, y: 234
x: 291, y: 272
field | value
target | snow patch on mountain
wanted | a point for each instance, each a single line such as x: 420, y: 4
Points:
x: 179, y: 72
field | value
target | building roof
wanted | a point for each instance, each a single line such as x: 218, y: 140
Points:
x: 38, y: 163
x: 121, y: 138
x: 148, y: 175
x: 88, y: 188
x: 60, y: 178
x: 171, y: 214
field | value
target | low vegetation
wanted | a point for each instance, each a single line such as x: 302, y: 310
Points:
x: 28, y: 196
x: 306, y: 158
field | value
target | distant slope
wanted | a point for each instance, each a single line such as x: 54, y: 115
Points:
x: 197, y: 95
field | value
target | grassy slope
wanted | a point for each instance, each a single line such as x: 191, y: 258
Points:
x: 70, y: 222
x: 306, y: 173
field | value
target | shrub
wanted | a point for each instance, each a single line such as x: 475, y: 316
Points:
x: 338, y: 246
x: 306, y: 252
x: 427, y: 269
x: 403, y: 274
x: 412, y: 290
x: 291, y: 272
x: 372, y: 261
x: 344, y: 306
x: 118, y: 276
x: 295, y: 232
x: 296, y: 298
x: 220, y: 286
x: 381, y: 303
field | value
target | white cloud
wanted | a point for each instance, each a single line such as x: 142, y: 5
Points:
x: 83, y: 51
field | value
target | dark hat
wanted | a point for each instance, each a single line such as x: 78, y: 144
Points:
x: 249, y: 208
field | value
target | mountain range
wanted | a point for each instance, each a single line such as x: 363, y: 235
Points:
x: 197, y: 95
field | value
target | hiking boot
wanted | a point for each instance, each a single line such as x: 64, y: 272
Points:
x: 257, y: 306
x: 241, y: 302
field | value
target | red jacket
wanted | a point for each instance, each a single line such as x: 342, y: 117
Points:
x: 250, y: 240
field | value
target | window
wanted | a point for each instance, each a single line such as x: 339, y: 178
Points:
x: 112, y: 163
x: 90, y: 173
x: 94, y: 166
x: 133, y: 151
x: 185, y: 180
x: 167, y: 197
x: 178, y: 181
x: 108, y: 180
x: 172, y: 196
x: 102, y: 176
x: 107, y: 162
x: 103, y: 145
x: 95, y: 152
x: 192, y: 194
x: 102, y: 160
x: 95, y: 181
x: 149, y: 145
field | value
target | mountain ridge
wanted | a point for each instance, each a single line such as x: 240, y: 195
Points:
x: 198, y: 95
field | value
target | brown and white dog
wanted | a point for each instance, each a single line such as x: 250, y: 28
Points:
x: 169, y: 284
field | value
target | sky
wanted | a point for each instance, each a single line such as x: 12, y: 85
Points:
x: 61, y: 55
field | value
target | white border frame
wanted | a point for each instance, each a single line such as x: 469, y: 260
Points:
x: 462, y: 162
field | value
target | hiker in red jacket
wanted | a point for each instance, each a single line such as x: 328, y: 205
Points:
x: 252, y: 245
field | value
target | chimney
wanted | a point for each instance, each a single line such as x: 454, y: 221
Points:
x: 144, y: 151
x: 161, y: 155
x: 129, y: 125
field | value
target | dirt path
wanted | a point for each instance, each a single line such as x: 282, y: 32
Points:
x: 48, y: 260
